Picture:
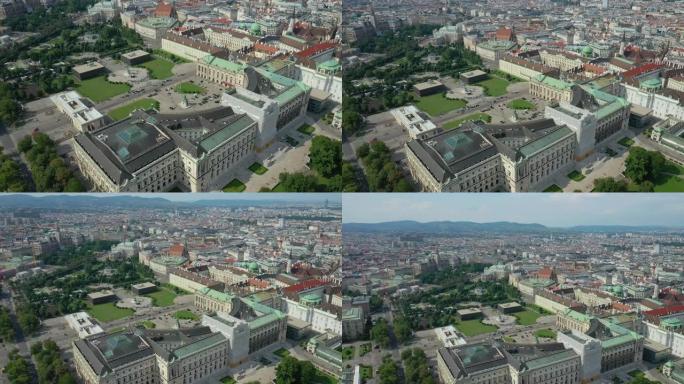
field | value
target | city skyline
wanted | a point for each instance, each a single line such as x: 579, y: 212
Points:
x: 565, y: 210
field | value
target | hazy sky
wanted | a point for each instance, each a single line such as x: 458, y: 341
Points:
x: 551, y: 209
x: 332, y: 197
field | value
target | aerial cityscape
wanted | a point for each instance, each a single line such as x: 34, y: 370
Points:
x: 514, y: 96
x: 475, y: 294
x: 166, y: 96
x: 327, y: 192
x: 156, y: 289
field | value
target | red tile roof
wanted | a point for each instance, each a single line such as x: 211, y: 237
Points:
x: 315, y: 49
x: 304, y: 285
x: 650, y: 67
x: 665, y: 311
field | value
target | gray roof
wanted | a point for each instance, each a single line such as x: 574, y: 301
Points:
x: 106, y: 352
x: 453, y: 151
x: 124, y: 147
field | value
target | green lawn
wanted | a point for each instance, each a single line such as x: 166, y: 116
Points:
x: 478, y: 116
x: 609, y: 151
x: 158, y: 68
x: 626, y: 142
x: 366, y: 372
x: 258, y: 169
x: 576, y: 175
x: 521, y: 104
x: 553, y: 188
x: 438, y: 104
x: 186, y: 315
x: 123, y: 112
x: 494, y: 86
x: 99, y: 89
x: 278, y: 188
x: 162, y: 297
x: 306, y: 129
x: 636, y: 373
x: 365, y: 348
x: 348, y: 353
x: 148, y: 324
x: 107, y: 312
x: 281, y: 352
x: 509, y: 339
x: 526, y: 317
x: 188, y: 87
x: 228, y: 380
x: 235, y: 185
x: 322, y: 378
x: 474, y: 327
x: 547, y: 333
x: 669, y: 183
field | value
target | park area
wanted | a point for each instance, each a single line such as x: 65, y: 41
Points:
x: 479, y: 116
x: 553, y: 188
x: 107, y: 312
x: 521, y: 104
x: 98, y: 89
x: 474, y: 327
x: 306, y: 129
x: 494, y: 86
x: 576, y: 175
x: 527, y: 316
x: 189, y: 88
x: 235, y: 185
x: 186, y: 315
x: 162, y: 297
x: 123, y: 112
x: 438, y: 104
x: 258, y: 168
x: 158, y: 68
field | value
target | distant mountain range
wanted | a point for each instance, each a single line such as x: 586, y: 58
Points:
x: 84, y: 201
x: 445, y: 227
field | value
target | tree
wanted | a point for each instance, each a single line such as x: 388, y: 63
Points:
x: 298, y: 182
x: 288, y: 371
x: 609, y: 184
x: 402, y: 329
x: 25, y: 144
x: 638, y: 164
x: 379, y: 333
x: 326, y: 156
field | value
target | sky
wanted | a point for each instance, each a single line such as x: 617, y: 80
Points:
x: 189, y: 197
x: 550, y: 209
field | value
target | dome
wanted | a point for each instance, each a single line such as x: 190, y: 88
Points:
x: 587, y: 51
x: 253, y: 266
x: 256, y: 29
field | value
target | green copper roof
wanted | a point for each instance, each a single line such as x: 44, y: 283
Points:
x: 191, y: 349
x: 551, y: 359
x: 553, y: 82
x: 226, y: 133
x: 576, y: 315
x: 216, y: 295
x: 223, y: 63
x: 651, y: 84
x: 533, y: 147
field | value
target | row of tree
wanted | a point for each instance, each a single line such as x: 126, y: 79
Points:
x: 388, y: 371
x: 293, y: 371
x: 643, y: 168
x: 382, y: 173
x: 7, y: 334
x: 416, y: 368
x: 50, y: 172
x: 325, y: 159
x: 11, y: 179
x: 50, y: 367
x: 18, y: 369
